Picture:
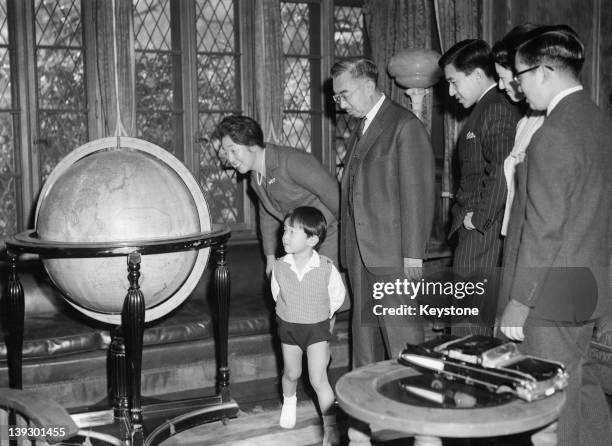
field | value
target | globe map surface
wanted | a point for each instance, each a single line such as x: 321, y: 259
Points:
x: 138, y: 192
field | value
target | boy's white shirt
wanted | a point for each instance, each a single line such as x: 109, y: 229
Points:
x: 335, y: 287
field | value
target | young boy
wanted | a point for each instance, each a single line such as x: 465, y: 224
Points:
x: 308, y: 290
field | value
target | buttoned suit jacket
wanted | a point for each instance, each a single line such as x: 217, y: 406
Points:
x: 559, y: 244
x: 393, y: 191
x: 486, y: 139
x: 293, y: 178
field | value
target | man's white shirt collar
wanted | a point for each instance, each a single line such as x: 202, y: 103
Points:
x: 372, y: 113
x: 560, y: 96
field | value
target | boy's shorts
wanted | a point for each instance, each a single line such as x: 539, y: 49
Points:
x: 303, y: 335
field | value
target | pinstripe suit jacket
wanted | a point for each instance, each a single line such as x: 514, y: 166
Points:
x: 484, y: 143
x: 559, y: 232
x: 293, y: 178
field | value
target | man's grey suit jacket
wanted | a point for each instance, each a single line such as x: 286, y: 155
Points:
x: 393, y: 191
x: 559, y: 244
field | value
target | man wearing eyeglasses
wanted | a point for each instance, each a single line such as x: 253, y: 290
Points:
x: 560, y: 285
x: 485, y: 141
x: 387, y: 205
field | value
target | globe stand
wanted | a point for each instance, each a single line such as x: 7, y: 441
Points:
x: 129, y: 419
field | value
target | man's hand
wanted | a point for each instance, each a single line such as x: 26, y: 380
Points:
x: 413, y: 268
x: 467, y: 221
x: 269, y: 262
x: 513, y: 320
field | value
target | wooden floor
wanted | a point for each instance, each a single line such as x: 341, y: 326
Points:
x: 257, y: 426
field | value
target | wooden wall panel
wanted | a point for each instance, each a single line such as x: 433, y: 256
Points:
x: 605, y: 63
x: 506, y: 14
x: 579, y: 15
x: 592, y: 20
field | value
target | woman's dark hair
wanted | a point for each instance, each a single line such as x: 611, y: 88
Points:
x: 468, y: 55
x: 241, y: 129
x: 505, y: 49
x: 310, y: 219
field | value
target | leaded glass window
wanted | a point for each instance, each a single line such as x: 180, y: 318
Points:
x: 348, y: 42
x: 218, y: 77
x: 9, y: 172
x: 302, y: 61
x: 158, y: 107
x: 60, y: 75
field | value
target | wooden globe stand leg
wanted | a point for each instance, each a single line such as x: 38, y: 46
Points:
x: 130, y: 417
x: 118, y: 375
x: 133, y: 317
x: 14, y: 337
x: 222, y: 289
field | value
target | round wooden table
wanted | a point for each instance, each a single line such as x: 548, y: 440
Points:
x: 358, y: 395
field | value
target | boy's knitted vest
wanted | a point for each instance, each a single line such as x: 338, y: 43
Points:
x: 305, y: 302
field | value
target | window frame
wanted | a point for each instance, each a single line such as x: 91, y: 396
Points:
x: 21, y: 22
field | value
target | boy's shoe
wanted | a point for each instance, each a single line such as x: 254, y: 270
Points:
x: 288, y: 412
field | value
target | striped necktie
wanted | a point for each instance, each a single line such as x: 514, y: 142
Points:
x: 360, y: 128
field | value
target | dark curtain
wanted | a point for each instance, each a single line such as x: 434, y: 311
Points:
x: 269, y: 72
x: 394, y: 25
x: 456, y: 20
x: 107, y: 37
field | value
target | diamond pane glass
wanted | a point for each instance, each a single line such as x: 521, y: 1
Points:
x: 8, y: 192
x: 3, y: 28
x: 348, y: 42
x: 218, y: 96
x: 216, y: 82
x: 219, y: 181
x: 60, y: 133
x: 215, y: 26
x: 297, y: 83
x: 295, y: 18
x: 158, y: 128
x: 152, y: 25
x: 296, y: 130
x: 58, y: 23
x: 61, y: 81
x: 8, y: 206
x: 7, y: 145
x: 345, y: 124
x: 5, y: 79
x: 348, y: 31
x: 154, y: 80
x: 158, y: 117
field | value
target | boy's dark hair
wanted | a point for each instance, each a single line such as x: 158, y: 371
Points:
x: 505, y: 49
x: 557, y: 46
x: 358, y: 67
x: 468, y: 55
x: 241, y: 129
x: 310, y: 219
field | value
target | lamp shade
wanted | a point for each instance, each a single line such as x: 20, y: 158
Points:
x: 415, y: 68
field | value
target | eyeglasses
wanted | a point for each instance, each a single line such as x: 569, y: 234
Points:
x: 517, y: 76
x: 340, y: 96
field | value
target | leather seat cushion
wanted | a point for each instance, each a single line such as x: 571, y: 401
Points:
x: 57, y: 334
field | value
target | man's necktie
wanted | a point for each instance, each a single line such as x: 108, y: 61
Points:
x: 360, y: 128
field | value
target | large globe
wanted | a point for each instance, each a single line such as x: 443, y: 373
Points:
x: 134, y: 192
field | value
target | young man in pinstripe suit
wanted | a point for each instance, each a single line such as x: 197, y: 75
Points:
x: 485, y: 141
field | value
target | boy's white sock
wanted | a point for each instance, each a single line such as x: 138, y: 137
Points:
x: 288, y: 412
